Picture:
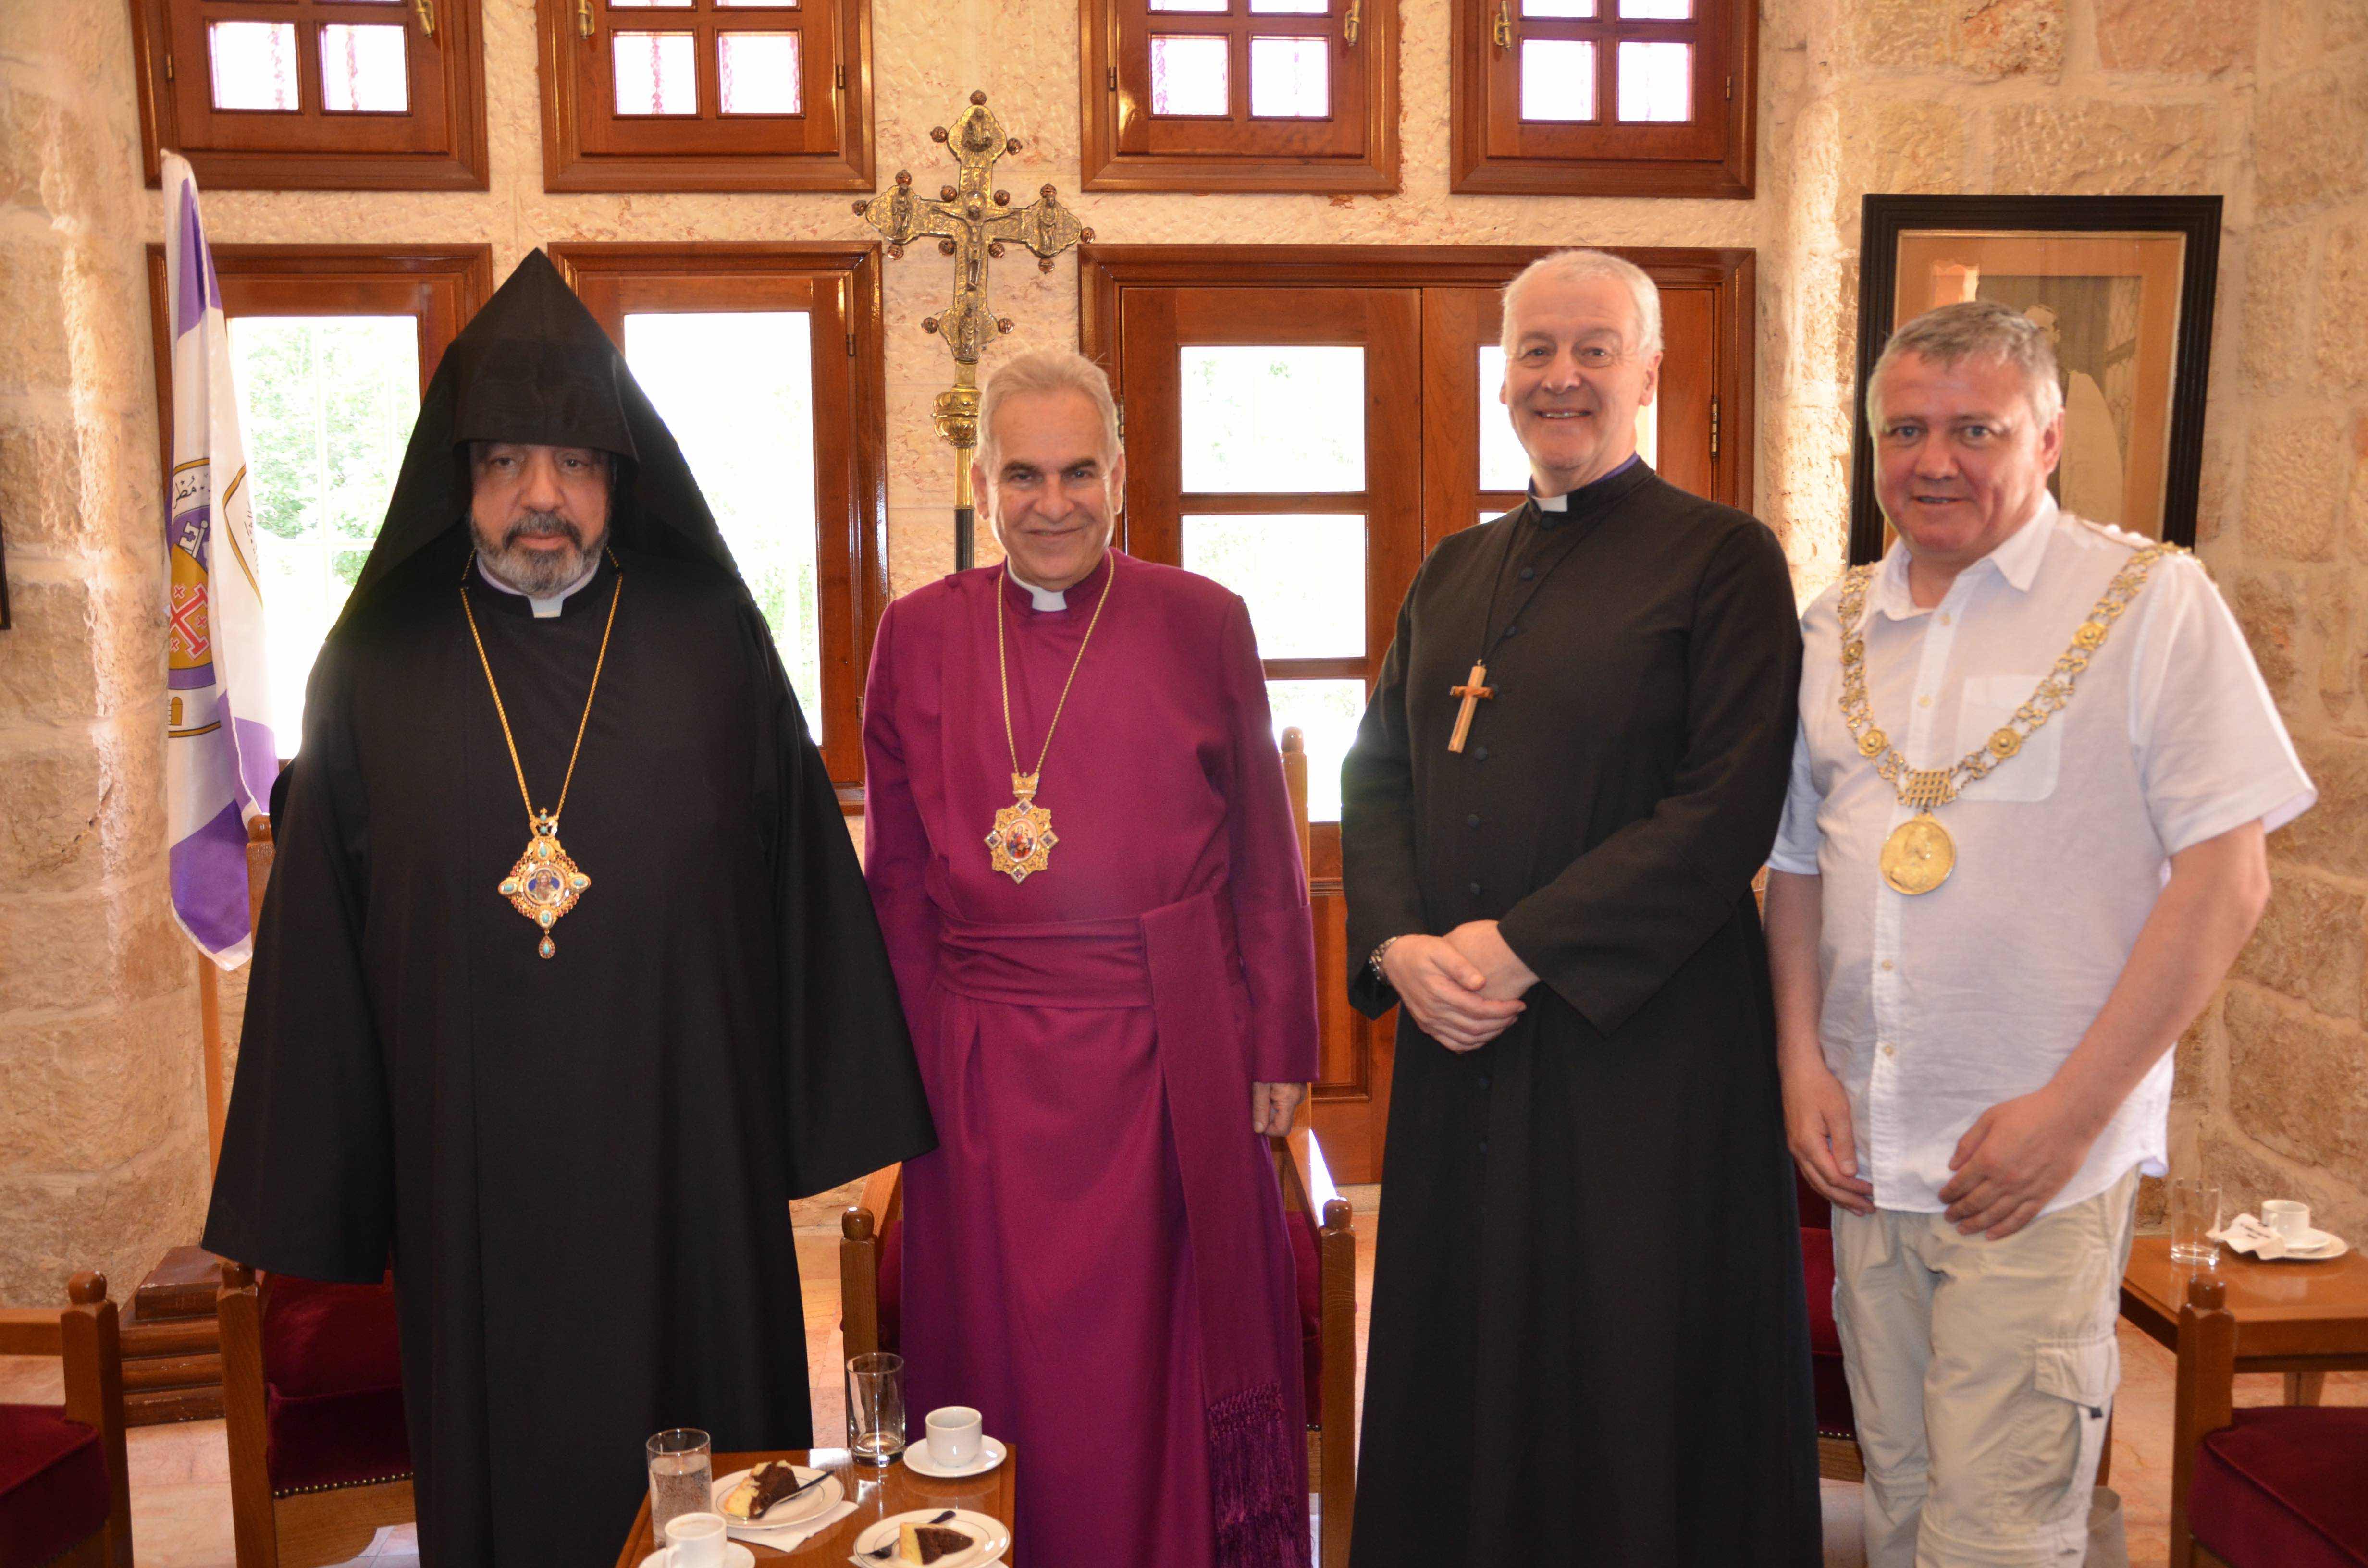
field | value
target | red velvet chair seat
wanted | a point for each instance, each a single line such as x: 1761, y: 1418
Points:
x: 2285, y: 1487
x: 1305, y: 1259
x: 333, y: 1384
x: 53, y: 1491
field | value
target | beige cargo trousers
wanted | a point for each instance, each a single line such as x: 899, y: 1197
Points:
x: 1982, y: 1372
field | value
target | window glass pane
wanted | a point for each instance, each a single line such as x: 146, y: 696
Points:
x: 362, y: 70
x: 1325, y: 712
x: 254, y: 64
x: 1657, y: 10
x: 656, y: 74
x: 1557, y: 7
x: 669, y: 4
x: 325, y: 405
x: 1303, y: 576
x: 759, y: 73
x: 1289, y: 78
x: 1290, y: 7
x: 755, y: 5
x: 1503, y: 464
x: 1187, y: 75
x: 1657, y: 81
x: 1557, y: 79
x: 737, y: 391
x: 1288, y: 418
x: 1210, y: 5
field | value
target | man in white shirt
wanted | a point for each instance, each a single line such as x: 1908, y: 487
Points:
x: 2022, y: 845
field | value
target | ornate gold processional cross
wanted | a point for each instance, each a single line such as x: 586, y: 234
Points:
x: 970, y: 225
x: 1473, y: 691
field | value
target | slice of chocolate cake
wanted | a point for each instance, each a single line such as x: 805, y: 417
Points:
x: 768, y: 1483
x: 926, y: 1543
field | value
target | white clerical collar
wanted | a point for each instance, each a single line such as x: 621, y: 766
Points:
x: 1037, y: 598
x: 544, y: 608
x: 1562, y: 502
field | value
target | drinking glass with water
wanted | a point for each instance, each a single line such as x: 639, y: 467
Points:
x: 682, y: 1476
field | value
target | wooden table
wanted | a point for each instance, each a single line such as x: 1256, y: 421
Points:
x: 2303, y: 1318
x: 877, y: 1493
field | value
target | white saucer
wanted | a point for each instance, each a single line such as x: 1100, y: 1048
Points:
x: 2318, y: 1246
x: 994, y: 1541
x: 735, y: 1556
x: 788, y: 1515
x: 919, y: 1461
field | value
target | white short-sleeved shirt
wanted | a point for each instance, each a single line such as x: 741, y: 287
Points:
x: 1941, y: 1005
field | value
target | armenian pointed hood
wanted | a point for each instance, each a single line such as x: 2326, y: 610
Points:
x: 534, y: 366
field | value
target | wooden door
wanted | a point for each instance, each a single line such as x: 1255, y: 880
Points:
x: 1239, y: 404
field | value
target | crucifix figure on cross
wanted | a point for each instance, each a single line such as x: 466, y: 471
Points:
x: 1473, y: 691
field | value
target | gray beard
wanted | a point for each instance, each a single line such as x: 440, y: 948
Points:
x: 538, y: 574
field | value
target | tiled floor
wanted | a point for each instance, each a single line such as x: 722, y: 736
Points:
x: 180, y: 1486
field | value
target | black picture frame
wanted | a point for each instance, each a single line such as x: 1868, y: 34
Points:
x: 5, y: 621
x: 1885, y: 221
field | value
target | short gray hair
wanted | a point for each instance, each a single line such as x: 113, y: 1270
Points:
x: 1040, y: 370
x: 1585, y: 266
x: 1977, y: 329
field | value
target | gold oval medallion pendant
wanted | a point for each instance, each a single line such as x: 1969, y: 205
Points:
x: 1918, y: 856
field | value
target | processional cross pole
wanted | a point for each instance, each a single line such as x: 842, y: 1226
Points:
x: 971, y: 224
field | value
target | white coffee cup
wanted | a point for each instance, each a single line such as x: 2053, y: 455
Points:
x: 695, y: 1540
x: 954, y: 1435
x: 2286, y: 1217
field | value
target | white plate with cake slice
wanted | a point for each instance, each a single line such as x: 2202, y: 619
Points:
x: 789, y: 1512
x: 921, y: 1540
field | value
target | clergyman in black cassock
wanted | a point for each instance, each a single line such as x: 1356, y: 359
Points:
x: 1589, y: 1342
x: 579, y: 1166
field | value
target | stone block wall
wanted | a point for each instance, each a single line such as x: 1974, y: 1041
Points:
x: 102, y: 1130
x: 101, y: 1126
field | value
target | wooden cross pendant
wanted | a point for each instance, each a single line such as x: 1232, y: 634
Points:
x: 1473, y: 691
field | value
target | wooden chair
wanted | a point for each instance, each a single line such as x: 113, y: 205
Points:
x: 2277, y: 1486
x: 66, y: 1495
x: 1324, y: 1252
x: 313, y: 1402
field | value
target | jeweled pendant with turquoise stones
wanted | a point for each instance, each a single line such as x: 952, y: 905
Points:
x: 545, y: 883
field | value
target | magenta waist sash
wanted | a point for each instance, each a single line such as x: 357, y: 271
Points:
x: 1183, y: 961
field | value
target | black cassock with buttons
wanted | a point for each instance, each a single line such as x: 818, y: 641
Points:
x: 1589, y: 1336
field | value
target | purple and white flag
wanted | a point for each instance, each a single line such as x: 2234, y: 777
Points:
x: 219, y: 755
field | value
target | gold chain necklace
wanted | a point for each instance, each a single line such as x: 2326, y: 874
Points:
x: 1919, y: 854
x: 1021, y: 841
x: 545, y: 883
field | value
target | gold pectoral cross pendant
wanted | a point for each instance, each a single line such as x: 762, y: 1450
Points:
x: 1022, y: 843
x: 545, y: 883
x: 1475, y: 689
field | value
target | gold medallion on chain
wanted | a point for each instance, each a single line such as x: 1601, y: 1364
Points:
x: 1021, y: 843
x: 1919, y: 855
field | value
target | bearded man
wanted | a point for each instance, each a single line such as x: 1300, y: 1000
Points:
x: 567, y: 1084
x: 1589, y: 1335
x: 1082, y: 851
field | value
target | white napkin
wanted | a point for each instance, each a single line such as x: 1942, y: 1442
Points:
x: 2245, y: 1233
x: 791, y: 1540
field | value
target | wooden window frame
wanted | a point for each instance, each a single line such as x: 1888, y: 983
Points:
x: 456, y: 70
x: 446, y: 284
x: 1606, y: 157
x: 570, y: 162
x: 1114, y: 102
x: 851, y: 561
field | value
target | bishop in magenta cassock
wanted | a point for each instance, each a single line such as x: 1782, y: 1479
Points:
x: 1111, y: 1002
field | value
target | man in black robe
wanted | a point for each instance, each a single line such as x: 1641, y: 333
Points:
x: 1589, y: 1337
x: 579, y: 1163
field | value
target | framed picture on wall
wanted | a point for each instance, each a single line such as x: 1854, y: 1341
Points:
x: 2122, y: 285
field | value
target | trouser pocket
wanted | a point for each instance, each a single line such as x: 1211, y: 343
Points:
x: 2081, y: 1371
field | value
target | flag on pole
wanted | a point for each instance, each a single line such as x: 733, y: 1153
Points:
x: 218, y: 753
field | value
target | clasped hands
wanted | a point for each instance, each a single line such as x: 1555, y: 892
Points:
x: 2015, y: 1157
x: 1464, y: 988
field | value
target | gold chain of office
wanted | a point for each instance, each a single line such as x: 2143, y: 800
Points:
x: 1919, y: 854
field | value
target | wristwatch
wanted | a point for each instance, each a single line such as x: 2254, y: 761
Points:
x: 1376, y: 962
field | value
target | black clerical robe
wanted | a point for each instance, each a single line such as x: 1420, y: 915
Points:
x: 1590, y: 1340
x: 579, y: 1165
